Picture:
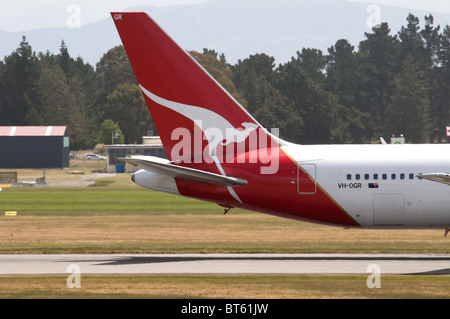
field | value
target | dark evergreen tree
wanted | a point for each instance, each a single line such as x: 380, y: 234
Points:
x: 379, y: 55
x: 319, y: 109
x: 408, y: 112
x: 244, y: 70
x: 411, y: 42
x: 313, y: 62
x: 344, y: 74
x: 432, y: 43
x: 19, y: 80
x: 126, y: 107
x: 442, y: 87
x: 256, y: 78
x: 114, y: 69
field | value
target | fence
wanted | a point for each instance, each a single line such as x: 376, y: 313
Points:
x: 8, y: 177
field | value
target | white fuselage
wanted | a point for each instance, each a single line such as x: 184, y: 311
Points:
x: 377, y: 185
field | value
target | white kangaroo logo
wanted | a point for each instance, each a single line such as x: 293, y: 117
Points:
x: 210, y: 121
x: 239, y: 135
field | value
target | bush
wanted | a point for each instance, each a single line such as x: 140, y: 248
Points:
x: 101, y: 149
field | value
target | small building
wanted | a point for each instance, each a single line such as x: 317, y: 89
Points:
x: 151, y: 146
x: 34, y: 147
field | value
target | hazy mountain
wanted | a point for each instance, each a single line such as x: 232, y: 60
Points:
x: 236, y: 28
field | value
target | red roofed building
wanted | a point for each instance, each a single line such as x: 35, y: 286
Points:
x: 34, y: 147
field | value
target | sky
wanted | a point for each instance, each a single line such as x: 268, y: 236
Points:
x: 441, y: 6
x: 19, y: 15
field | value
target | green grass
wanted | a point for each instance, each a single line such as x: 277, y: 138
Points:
x: 118, y: 216
x: 97, y: 200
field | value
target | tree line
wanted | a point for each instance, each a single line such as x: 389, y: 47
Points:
x: 392, y: 84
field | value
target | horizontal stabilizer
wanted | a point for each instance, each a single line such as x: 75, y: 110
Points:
x: 159, y: 165
x: 436, y: 177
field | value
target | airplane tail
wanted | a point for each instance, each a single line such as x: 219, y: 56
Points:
x: 194, y: 115
x: 217, y: 151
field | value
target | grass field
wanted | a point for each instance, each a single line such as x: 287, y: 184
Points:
x: 226, y: 287
x: 113, y: 215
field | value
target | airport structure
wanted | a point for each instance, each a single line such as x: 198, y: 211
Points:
x: 34, y: 147
x: 151, y: 146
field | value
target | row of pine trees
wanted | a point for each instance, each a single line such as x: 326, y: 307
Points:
x: 391, y: 84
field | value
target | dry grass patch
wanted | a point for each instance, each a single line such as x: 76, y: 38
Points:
x: 118, y: 216
x: 228, y: 287
x: 241, y: 232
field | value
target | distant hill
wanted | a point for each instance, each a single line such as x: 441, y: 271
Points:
x: 236, y: 28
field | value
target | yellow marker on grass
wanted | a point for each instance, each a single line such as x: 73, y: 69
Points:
x: 11, y: 213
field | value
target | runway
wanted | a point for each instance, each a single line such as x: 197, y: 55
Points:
x: 418, y: 264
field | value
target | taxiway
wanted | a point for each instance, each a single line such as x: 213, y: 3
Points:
x: 430, y: 264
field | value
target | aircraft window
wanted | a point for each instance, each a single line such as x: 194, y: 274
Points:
x: 384, y: 176
x: 366, y: 176
x: 375, y: 176
x: 393, y: 176
x: 358, y: 177
x: 411, y: 176
x: 349, y: 177
x: 402, y: 176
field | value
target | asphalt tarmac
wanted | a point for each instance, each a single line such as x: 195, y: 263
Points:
x: 408, y: 264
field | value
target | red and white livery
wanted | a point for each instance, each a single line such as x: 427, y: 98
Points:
x: 218, y: 152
